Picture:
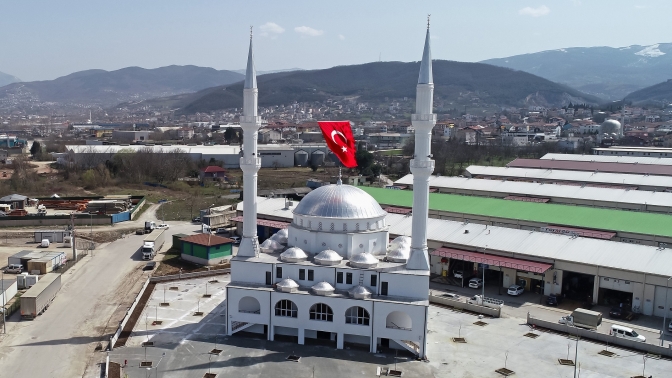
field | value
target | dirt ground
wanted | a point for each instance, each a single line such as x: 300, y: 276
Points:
x: 114, y: 370
x: 281, y: 178
x: 171, y: 263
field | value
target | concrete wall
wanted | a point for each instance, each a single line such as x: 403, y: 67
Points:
x: 53, y: 221
x: 600, y: 337
x: 462, y: 304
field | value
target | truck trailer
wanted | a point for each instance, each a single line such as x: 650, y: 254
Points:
x: 583, y: 318
x: 37, y: 298
x: 152, y: 244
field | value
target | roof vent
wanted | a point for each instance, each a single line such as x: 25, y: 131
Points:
x: 294, y: 254
x: 363, y: 260
x: 287, y: 285
x: 328, y: 257
x: 323, y: 288
x: 360, y: 292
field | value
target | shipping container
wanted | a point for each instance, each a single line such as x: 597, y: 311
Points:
x: 16, y: 258
x: 37, y: 298
x: 40, y: 266
x: 54, y: 236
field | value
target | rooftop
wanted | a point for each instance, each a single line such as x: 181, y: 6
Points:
x: 609, y: 159
x: 595, y: 165
x: 575, y: 216
x: 207, y: 240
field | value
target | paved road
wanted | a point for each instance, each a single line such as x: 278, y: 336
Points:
x: 64, y: 337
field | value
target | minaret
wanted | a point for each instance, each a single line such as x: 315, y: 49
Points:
x: 422, y: 164
x: 250, y: 162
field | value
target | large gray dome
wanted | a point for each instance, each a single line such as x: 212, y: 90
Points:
x: 610, y: 126
x: 339, y: 201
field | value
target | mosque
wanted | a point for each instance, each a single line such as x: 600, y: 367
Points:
x: 333, y: 274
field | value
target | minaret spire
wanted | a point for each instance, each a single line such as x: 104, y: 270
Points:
x: 422, y: 164
x: 250, y: 162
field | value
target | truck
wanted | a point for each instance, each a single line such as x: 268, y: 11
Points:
x: 485, y: 301
x: 583, y: 318
x: 152, y: 244
x: 149, y: 227
x: 36, y: 300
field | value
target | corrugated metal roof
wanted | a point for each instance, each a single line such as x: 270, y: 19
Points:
x: 485, y: 258
x: 533, y: 245
x: 598, y: 196
x: 642, y: 169
x: 264, y: 222
x: 662, y: 182
x: 609, y: 159
x: 637, y: 222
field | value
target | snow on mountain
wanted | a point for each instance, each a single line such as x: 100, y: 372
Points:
x: 651, y: 51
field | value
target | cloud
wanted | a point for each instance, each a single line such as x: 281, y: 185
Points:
x: 271, y: 29
x: 341, y: 37
x: 308, y: 31
x: 534, y: 12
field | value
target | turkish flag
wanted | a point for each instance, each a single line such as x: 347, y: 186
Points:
x: 340, y: 141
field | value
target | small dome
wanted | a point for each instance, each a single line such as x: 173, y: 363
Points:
x: 360, y: 292
x: 287, y: 285
x: 399, y: 249
x: 328, y: 257
x: 610, y: 126
x: 270, y: 246
x: 294, y: 254
x: 339, y: 201
x: 323, y: 288
x: 281, y: 236
x: 363, y: 260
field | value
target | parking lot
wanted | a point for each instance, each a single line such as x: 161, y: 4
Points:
x: 187, y: 340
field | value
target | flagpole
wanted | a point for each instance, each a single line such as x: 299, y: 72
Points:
x: 339, y: 182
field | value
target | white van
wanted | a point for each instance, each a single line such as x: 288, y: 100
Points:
x: 626, y: 333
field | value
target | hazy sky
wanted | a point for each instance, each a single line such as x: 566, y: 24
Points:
x: 46, y: 39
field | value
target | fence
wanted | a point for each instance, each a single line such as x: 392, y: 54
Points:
x: 115, y: 337
x: 600, y: 337
x: 70, y: 263
x: 121, y: 217
x: 12, y: 308
x: 137, y: 207
x: 175, y: 277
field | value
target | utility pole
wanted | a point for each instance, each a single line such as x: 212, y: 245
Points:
x: 74, y: 244
x: 4, y: 303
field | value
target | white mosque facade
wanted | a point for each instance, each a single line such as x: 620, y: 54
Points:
x: 333, y: 274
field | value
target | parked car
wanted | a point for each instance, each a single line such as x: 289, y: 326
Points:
x: 626, y: 333
x: 196, y: 220
x: 457, y: 274
x: 515, y: 290
x: 553, y: 300
x: 162, y: 226
x: 150, y: 265
x: 221, y: 230
x: 14, y: 268
x: 450, y: 295
x: 616, y: 313
x: 236, y: 239
x: 475, y: 283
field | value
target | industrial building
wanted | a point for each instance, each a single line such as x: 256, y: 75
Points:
x: 608, y: 159
x: 595, y: 166
x: 272, y: 155
x: 605, y: 271
x: 654, y: 152
x: 580, y: 178
x: 636, y: 200
x: 206, y: 249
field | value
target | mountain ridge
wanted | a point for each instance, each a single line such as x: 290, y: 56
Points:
x: 107, y: 88
x: 6, y: 79
x: 380, y: 80
x: 607, y: 72
x: 658, y: 94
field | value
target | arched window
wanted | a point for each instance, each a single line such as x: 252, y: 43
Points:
x: 345, y: 227
x: 357, y: 315
x: 331, y: 228
x: 356, y: 226
x: 286, y: 308
x: 319, y: 226
x: 320, y: 311
x: 301, y: 222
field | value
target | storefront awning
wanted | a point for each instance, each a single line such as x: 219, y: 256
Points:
x: 264, y: 222
x: 492, y: 260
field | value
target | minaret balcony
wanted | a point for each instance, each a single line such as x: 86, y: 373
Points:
x: 250, y: 119
x: 423, y: 118
x: 422, y: 164
x: 250, y: 162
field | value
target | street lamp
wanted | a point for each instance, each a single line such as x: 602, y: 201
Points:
x: 662, y: 334
x: 483, y: 268
x: 4, y: 303
x: 157, y: 366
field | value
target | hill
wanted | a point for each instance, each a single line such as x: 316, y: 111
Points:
x: 107, y: 88
x: 607, y: 72
x: 455, y: 83
x: 7, y: 79
x: 659, y: 94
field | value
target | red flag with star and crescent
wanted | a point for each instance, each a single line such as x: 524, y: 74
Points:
x: 338, y: 135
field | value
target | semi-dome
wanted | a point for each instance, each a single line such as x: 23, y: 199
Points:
x: 363, y: 260
x: 400, y: 249
x: 360, y: 292
x: 281, y: 236
x: 339, y: 201
x: 270, y: 246
x: 323, y: 288
x: 294, y: 254
x: 328, y: 257
x: 287, y: 285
